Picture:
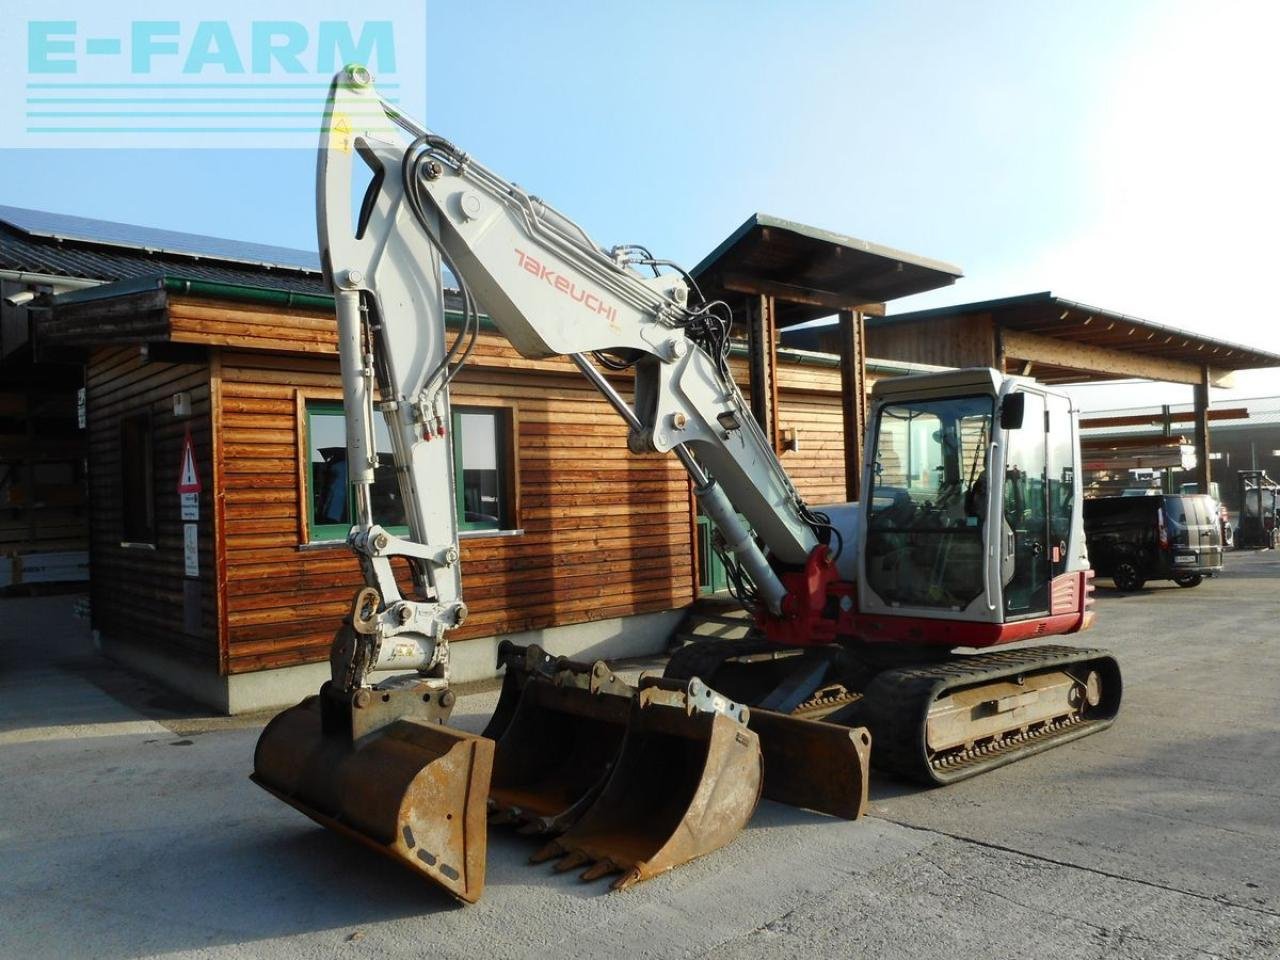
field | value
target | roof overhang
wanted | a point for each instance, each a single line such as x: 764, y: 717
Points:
x: 811, y: 272
x: 1057, y: 340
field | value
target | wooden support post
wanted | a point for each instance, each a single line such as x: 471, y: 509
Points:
x: 853, y: 397
x: 762, y: 366
x: 1203, y: 471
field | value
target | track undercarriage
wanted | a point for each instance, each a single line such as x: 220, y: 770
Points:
x: 935, y: 717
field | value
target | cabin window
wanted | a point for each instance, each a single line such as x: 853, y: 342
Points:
x: 928, y: 502
x: 483, y: 479
x: 137, y: 481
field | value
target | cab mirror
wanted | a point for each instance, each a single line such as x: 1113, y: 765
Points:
x: 1012, y: 408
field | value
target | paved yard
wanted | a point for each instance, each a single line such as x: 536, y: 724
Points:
x: 128, y: 828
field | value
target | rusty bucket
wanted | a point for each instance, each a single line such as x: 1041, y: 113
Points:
x: 559, y: 747
x: 382, y: 767
x: 686, y: 782
x: 812, y: 764
x: 521, y: 663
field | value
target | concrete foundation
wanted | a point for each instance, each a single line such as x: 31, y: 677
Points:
x: 637, y: 636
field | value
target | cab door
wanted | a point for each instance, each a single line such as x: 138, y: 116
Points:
x: 1027, y: 547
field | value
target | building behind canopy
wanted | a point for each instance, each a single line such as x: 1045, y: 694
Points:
x: 1061, y: 341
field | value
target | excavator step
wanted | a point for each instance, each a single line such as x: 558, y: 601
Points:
x: 712, y: 621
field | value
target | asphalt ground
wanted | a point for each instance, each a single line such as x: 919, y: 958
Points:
x: 128, y: 828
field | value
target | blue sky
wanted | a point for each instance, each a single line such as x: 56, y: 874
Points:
x: 1118, y: 153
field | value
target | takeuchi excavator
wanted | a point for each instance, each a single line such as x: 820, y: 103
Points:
x: 969, y: 537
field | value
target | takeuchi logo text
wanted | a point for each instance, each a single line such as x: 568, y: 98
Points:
x: 564, y: 285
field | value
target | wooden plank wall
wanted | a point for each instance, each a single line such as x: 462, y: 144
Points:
x: 964, y: 341
x: 605, y: 533
x: 817, y: 466
x: 809, y: 403
x: 136, y: 593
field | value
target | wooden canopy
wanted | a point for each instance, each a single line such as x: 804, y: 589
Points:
x: 775, y: 273
x: 1059, y: 341
x: 811, y: 272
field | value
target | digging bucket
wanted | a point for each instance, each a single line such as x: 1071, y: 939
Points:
x: 816, y: 765
x: 559, y: 747
x: 521, y: 663
x: 686, y: 783
x: 380, y: 766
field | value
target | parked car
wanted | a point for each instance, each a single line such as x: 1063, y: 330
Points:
x: 1168, y: 537
x: 1224, y: 515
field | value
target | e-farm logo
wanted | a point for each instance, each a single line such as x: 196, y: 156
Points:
x: 255, y: 74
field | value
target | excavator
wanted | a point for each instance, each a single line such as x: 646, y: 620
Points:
x: 874, y: 622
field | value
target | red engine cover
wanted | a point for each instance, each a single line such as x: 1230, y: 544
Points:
x: 818, y: 607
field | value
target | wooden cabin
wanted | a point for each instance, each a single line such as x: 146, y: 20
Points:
x: 568, y: 538
x: 44, y: 516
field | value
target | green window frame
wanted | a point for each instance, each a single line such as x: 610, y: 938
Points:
x: 484, y: 489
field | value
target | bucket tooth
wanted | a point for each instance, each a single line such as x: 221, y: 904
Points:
x: 412, y: 788
x: 601, y: 868
x: 572, y: 861
x: 685, y: 784
x: 550, y: 852
x: 559, y: 746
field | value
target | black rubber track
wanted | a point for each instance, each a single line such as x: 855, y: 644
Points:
x: 896, y: 704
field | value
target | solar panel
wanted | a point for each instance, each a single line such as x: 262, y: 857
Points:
x: 61, y: 226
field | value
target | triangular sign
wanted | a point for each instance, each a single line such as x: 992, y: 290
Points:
x: 188, y: 477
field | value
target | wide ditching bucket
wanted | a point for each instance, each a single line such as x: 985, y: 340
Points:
x: 686, y: 782
x: 559, y: 746
x: 380, y: 766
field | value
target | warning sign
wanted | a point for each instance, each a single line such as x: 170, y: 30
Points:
x: 188, y: 476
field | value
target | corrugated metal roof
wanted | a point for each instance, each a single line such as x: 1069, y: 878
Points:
x: 44, y: 250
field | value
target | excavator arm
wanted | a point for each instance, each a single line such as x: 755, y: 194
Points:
x: 626, y: 779
x: 551, y: 292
